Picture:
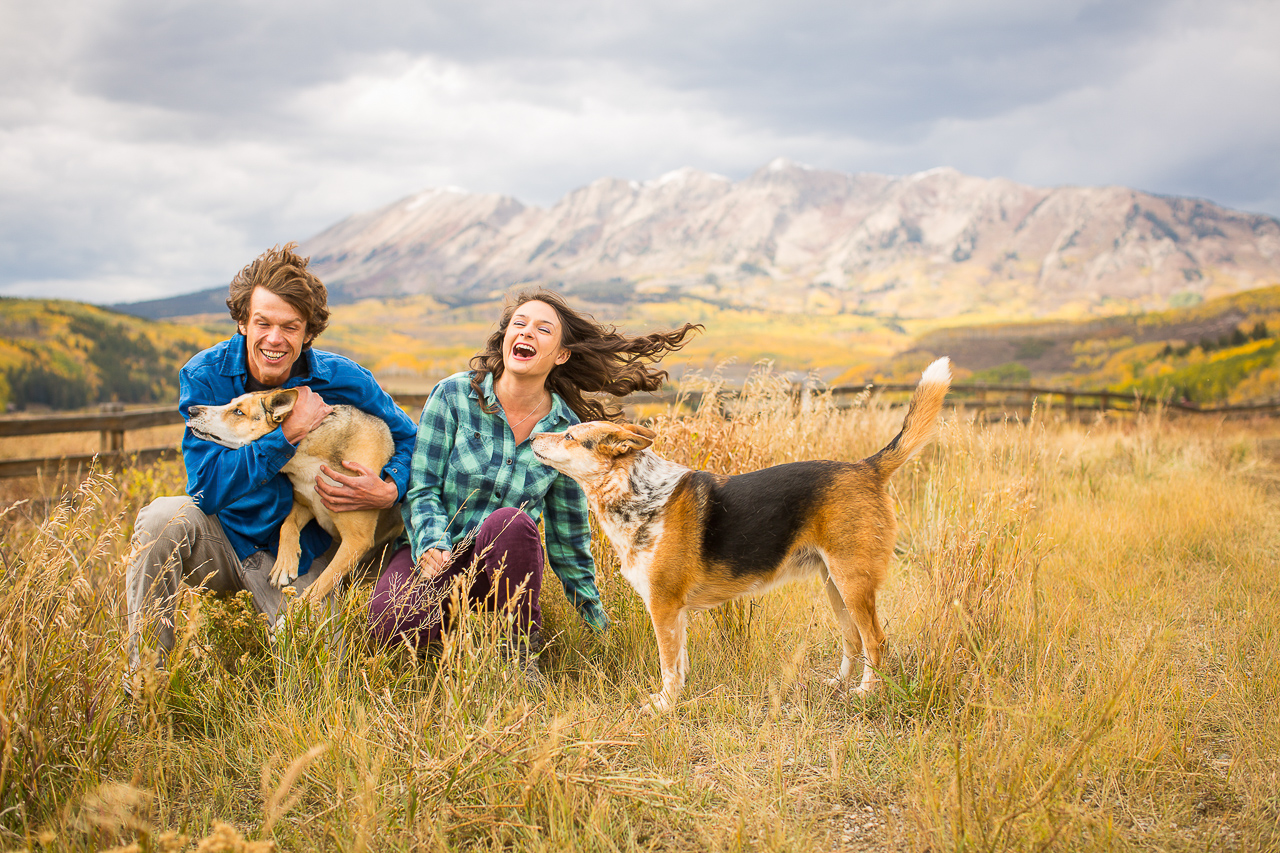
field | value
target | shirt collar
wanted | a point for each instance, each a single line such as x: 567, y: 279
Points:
x: 559, y: 408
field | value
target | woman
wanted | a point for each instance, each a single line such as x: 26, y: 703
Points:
x: 476, y: 491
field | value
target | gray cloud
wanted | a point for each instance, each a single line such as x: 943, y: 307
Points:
x: 155, y: 147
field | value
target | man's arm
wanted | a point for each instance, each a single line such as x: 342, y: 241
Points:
x: 357, y: 486
x: 404, y: 433
x: 219, y: 476
x: 361, y: 489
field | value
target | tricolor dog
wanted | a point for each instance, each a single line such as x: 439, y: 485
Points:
x: 347, y: 433
x: 691, y: 540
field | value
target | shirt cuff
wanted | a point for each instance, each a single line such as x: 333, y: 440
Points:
x: 595, y: 617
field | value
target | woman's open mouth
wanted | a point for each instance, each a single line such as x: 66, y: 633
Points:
x: 523, y: 351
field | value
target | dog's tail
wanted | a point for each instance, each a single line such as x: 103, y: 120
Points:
x: 920, y: 423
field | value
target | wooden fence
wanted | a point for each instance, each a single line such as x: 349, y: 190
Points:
x: 997, y: 401
x: 986, y: 400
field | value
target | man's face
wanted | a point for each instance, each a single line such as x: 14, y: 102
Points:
x: 274, y: 335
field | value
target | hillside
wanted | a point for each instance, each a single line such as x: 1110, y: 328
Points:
x: 67, y: 355
x: 1223, y: 350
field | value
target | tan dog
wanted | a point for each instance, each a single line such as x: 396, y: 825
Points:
x: 346, y: 434
x: 691, y: 540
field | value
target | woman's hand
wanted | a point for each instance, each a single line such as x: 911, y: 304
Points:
x: 364, y: 490
x: 432, y: 562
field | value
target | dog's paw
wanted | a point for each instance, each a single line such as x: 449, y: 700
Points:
x: 308, y: 599
x: 282, y: 575
x: 866, y: 690
x: 276, y: 632
x: 836, y: 683
x: 659, y: 703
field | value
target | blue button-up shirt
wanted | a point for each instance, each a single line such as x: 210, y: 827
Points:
x: 244, y: 487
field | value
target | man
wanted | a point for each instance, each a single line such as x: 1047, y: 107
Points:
x: 224, y: 533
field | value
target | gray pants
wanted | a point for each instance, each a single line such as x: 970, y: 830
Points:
x: 175, y: 542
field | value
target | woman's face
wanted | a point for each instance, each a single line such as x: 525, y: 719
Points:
x: 531, y: 346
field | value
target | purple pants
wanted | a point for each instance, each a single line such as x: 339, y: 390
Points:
x: 501, y: 569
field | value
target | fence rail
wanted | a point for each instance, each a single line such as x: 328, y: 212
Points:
x: 1000, y: 399
x: 112, y: 426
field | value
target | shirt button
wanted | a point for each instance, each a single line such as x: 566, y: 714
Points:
x: 511, y: 461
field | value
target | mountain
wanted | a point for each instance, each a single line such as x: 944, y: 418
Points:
x: 792, y: 238
x: 211, y: 301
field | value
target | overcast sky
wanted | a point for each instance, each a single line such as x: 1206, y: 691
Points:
x: 149, y: 148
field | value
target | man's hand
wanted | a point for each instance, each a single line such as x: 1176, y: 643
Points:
x: 363, y: 490
x: 432, y: 561
x: 307, y: 413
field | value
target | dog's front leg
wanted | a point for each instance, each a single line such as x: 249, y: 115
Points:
x: 285, y: 570
x: 669, y: 626
x: 356, y: 531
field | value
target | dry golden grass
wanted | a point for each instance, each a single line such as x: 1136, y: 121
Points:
x: 1083, y: 656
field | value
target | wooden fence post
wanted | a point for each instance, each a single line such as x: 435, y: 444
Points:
x: 806, y: 396
x: 111, y: 440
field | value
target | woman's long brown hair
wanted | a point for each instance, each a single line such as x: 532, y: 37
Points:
x: 601, y: 359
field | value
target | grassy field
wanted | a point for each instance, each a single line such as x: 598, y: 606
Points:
x: 1083, y: 655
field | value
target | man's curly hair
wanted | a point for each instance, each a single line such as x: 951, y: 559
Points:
x: 281, y: 271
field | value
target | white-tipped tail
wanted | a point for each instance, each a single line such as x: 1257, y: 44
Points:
x: 921, y: 420
x: 939, y: 371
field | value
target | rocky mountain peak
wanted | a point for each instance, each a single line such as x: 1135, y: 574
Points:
x: 932, y: 243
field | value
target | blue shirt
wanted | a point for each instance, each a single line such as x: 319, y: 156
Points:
x: 244, y: 487
x: 466, y: 465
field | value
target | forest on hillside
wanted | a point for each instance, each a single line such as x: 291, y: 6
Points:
x: 68, y: 355
x: 1224, y: 350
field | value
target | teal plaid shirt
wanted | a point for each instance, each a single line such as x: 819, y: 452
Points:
x: 466, y: 465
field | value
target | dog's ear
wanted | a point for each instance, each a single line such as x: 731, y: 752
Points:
x: 630, y: 437
x: 280, y: 404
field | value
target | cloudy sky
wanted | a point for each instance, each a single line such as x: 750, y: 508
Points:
x: 150, y: 147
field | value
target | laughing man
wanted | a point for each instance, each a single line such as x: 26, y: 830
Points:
x: 224, y: 532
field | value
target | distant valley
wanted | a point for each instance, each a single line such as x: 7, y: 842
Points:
x: 1224, y: 350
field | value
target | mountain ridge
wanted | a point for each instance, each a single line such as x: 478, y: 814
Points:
x: 792, y: 238
x: 927, y: 244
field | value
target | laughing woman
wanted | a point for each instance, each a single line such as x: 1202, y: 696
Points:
x: 476, y: 492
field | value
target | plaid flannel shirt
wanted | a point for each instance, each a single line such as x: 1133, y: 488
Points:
x: 466, y: 465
